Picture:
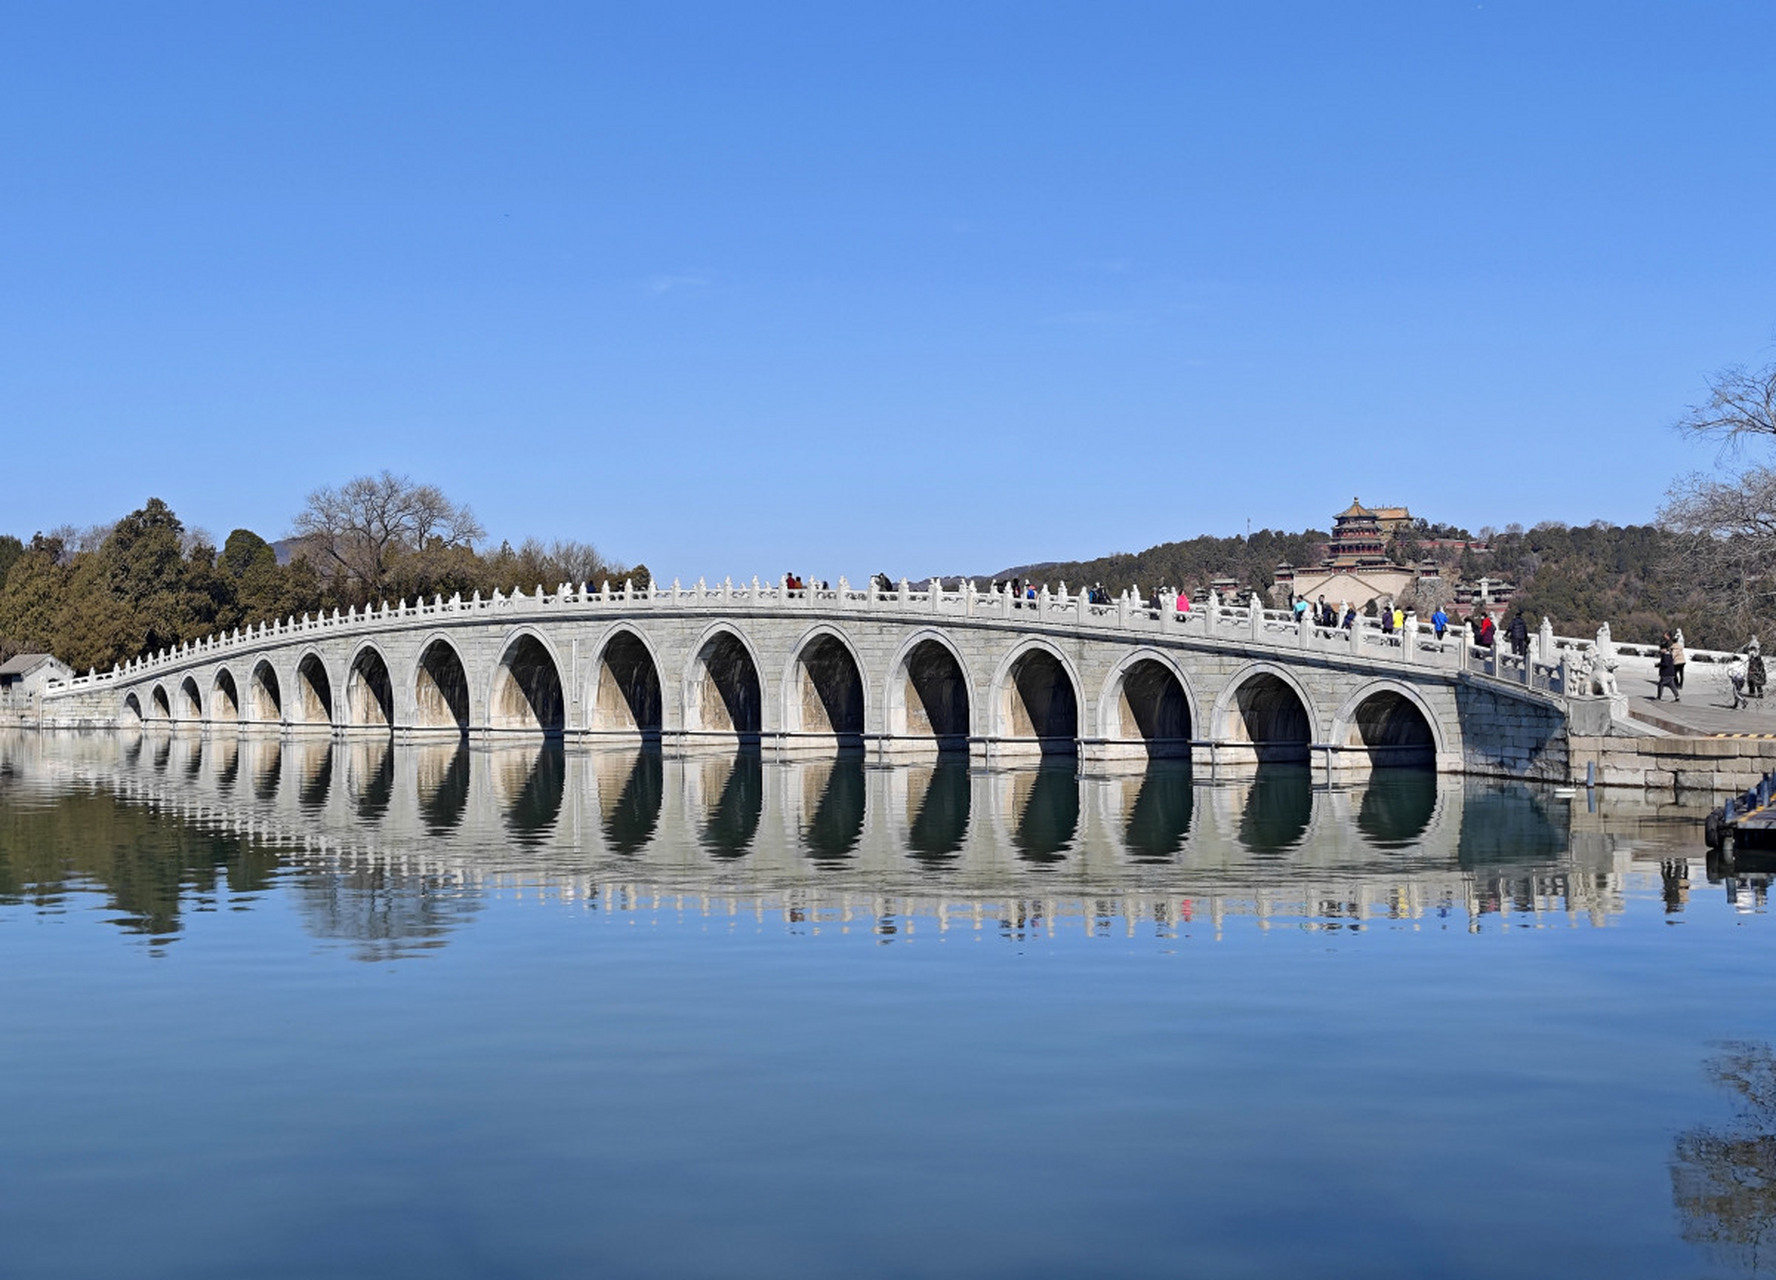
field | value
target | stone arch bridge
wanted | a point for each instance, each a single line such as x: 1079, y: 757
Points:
x: 896, y: 672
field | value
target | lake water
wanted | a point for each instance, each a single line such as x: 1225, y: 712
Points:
x: 293, y: 1008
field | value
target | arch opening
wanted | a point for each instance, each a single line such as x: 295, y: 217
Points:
x: 441, y: 689
x: 725, y: 692
x: 1393, y: 731
x: 932, y: 697
x: 314, y: 692
x: 527, y: 690
x: 369, y: 693
x: 132, y: 710
x: 827, y: 696
x: 265, y: 700
x: 190, y: 700
x: 627, y: 698
x: 1038, y: 701
x: 224, y: 697
x: 1269, y: 714
x: 163, y: 710
x: 1151, y: 707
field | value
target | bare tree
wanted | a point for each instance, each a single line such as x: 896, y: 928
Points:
x: 357, y: 530
x: 1725, y: 539
x: 1741, y: 403
x: 1724, y: 527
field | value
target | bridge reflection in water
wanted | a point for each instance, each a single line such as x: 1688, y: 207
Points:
x: 382, y: 833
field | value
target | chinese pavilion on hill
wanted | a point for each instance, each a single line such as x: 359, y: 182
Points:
x: 1360, y: 535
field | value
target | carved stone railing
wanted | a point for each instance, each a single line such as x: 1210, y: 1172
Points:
x: 1413, y: 646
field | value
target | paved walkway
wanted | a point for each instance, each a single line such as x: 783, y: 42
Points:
x: 1706, y: 708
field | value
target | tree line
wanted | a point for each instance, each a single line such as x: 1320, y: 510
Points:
x: 100, y: 596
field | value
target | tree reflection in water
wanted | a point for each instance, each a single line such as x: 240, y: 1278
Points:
x: 1159, y: 819
x: 1723, y: 1179
x: 837, y: 824
x: 1278, y: 808
x: 385, y: 914
x: 443, y: 785
x: 1397, y: 807
x: 941, y: 824
x: 630, y: 819
x: 1049, y: 815
x: 733, y: 822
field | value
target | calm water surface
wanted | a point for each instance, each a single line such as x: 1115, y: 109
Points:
x: 299, y: 1008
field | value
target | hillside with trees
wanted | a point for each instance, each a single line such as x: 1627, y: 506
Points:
x: 100, y: 596
x: 1579, y: 576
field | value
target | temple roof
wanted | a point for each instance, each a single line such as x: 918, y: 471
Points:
x: 1356, y: 508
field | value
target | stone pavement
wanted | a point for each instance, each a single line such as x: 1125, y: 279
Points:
x: 1705, y: 711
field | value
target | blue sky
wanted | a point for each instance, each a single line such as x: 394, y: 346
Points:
x: 922, y: 288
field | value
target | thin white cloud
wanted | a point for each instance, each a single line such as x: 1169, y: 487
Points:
x: 666, y: 284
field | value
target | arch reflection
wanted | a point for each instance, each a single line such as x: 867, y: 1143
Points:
x: 1397, y: 807
x: 314, y: 765
x: 630, y: 791
x: 529, y: 783
x: 835, y: 824
x: 372, y: 770
x: 940, y: 816
x: 1278, y: 808
x: 731, y: 823
x: 1159, y: 818
x: 443, y: 769
x: 1046, y: 801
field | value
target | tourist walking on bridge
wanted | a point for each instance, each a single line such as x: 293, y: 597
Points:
x: 1439, y: 622
x: 1678, y: 656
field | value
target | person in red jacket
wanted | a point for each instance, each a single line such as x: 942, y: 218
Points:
x: 1488, y: 631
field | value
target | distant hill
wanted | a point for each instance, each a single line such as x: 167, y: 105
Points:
x: 1191, y: 565
x: 1577, y: 575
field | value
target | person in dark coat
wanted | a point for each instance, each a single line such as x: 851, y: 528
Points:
x: 1667, y: 676
x: 1519, y: 635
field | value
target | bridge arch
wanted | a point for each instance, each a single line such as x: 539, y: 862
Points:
x: 369, y: 690
x: 314, y: 690
x: 525, y: 692
x: 723, y: 688
x: 930, y: 692
x: 440, y: 687
x: 131, y: 715
x: 626, y: 690
x: 1036, y: 695
x: 162, y: 708
x: 824, y: 691
x: 265, y: 700
x: 1390, y: 722
x: 190, y: 700
x: 1266, y: 705
x: 1148, y: 699
x: 224, y: 696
